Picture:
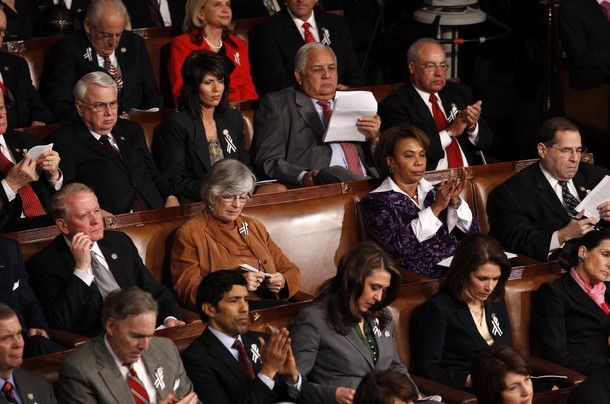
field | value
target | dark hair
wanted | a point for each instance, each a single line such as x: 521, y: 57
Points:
x: 344, y: 289
x: 488, y: 369
x: 195, y: 67
x: 213, y: 287
x: 548, y: 131
x: 383, y: 387
x: 568, y: 258
x: 387, y: 144
x: 6, y: 312
x: 131, y: 301
x: 473, y: 251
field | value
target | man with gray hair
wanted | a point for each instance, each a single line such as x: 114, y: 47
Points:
x: 109, y: 154
x: 105, y: 44
x: 444, y: 110
x: 127, y: 363
x: 290, y: 124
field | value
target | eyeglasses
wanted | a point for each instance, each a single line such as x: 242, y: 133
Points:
x: 101, y: 106
x: 567, y: 151
x: 430, y: 67
x: 243, y: 198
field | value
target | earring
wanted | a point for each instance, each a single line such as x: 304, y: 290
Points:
x: 391, y: 170
x: 581, y: 259
x: 210, y: 208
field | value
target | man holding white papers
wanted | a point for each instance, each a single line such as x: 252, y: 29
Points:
x: 290, y: 126
x: 534, y: 212
x: 444, y: 110
x: 25, y: 197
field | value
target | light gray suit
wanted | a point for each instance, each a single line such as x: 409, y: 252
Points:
x: 329, y: 360
x: 288, y: 134
x: 33, y: 388
x: 90, y: 374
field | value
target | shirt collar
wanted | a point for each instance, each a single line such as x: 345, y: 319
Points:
x: 226, y: 340
x: 389, y: 185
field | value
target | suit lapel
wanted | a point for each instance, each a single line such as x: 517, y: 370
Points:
x: 12, y: 144
x: 581, y: 184
x: 308, y: 113
x: 421, y: 108
x: 223, y: 356
x: 200, y: 143
x: 579, y: 296
x: 113, y: 259
x: 154, y: 367
x: 110, y: 373
x: 354, y: 340
x: 548, y: 196
x: 25, y: 389
x: 463, y: 314
x: 90, y: 142
x: 290, y: 31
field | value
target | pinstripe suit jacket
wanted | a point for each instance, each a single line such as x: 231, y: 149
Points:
x: 288, y: 136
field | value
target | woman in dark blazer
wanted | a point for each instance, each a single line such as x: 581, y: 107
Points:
x: 571, y: 310
x: 205, y: 130
x: 467, y: 315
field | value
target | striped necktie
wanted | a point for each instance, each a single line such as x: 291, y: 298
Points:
x: 138, y: 391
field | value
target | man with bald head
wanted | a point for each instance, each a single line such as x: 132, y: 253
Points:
x: 444, y: 110
x: 103, y: 45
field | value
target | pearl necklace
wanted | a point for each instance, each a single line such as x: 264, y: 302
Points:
x: 212, y: 46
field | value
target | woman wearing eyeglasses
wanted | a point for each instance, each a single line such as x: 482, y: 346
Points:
x: 221, y: 238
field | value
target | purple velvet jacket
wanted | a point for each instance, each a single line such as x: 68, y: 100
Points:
x: 388, y: 217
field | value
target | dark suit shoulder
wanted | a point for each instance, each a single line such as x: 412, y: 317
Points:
x: 21, y: 139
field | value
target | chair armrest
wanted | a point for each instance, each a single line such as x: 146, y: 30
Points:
x: 66, y: 338
x: 450, y: 395
x: 301, y: 296
x: 189, y: 316
x: 544, y: 367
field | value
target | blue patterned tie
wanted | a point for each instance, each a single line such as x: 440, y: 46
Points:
x: 568, y: 198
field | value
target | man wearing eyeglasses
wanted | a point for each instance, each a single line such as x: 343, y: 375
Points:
x: 534, y: 212
x: 103, y: 45
x: 109, y: 154
x: 444, y: 110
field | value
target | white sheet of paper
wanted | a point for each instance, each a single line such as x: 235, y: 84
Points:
x: 600, y: 194
x: 447, y: 261
x: 36, y: 151
x: 349, y: 105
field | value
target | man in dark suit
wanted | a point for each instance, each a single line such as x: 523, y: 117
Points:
x: 26, y: 106
x: 444, y: 110
x: 171, y: 13
x: 104, y: 45
x: 24, y: 197
x: 585, y: 29
x: 229, y: 364
x: 596, y: 388
x: 290, y: 124
x: 255, y: 8
x: 72, y: 275
x: 127, y: 362
x: 277, y: 40
x: 109, y: 154
x: 15, y: 291
x: 531, y: 213
x: 29, y: 387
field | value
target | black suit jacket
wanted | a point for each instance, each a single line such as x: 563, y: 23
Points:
x: 218, y: 378
x: 569, y: 324
x: 251, y: 9
x: 277, y: 40
x: 594, y: 390
x: 70, y: 304
x: 524, y: 211
x: 73, y: 57
x: 10, y: 212
x: 182, y: 152
x: 406, y: 106
x: 25, y: 103
x: 585, y: 32
x: 86, y: 160
x: 140, y: 16
x: 15, y: 289
x: 448, y: 339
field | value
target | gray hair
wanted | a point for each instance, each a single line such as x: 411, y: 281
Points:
x: 300, y: 59
x: 227, y: 177
x: 131, y: 301
x: 412, y: 52
x: 97, y: 78
x: 97, y: 8
x: 58, y: 200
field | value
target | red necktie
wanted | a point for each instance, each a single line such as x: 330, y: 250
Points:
x: 30, y: 204
x: 244, y: 361
x: 112, y: 70
x: 9, y: 392
x: 606, y: 6
x: 349, y: 149
x: 308, y: 35
x: 138, y: 391
x: 454, y: 154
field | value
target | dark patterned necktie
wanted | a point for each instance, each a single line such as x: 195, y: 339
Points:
x: 155, y: 13
x: 114, y: 72
x: 454, y: 154
x: 568, y: 198
x: 244, y: 361
x: 606, y: 6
